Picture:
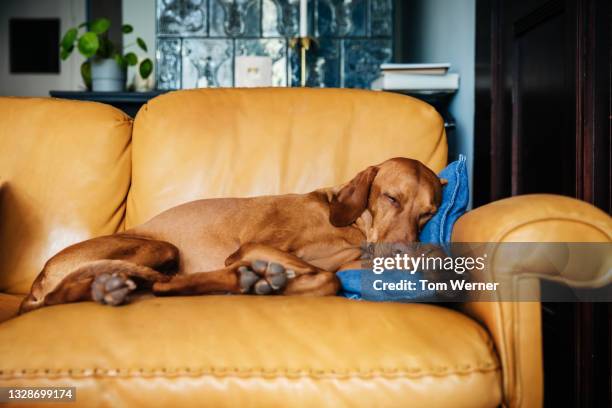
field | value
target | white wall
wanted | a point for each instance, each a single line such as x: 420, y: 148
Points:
x: 446, y: 32
x: 71, y: 13
x: 141, y: 15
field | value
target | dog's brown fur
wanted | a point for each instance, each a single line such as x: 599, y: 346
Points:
x: 204, y: 246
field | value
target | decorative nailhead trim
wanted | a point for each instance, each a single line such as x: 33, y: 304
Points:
x: 245, y: 372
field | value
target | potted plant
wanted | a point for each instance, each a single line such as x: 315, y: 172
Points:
x: 105, y: 68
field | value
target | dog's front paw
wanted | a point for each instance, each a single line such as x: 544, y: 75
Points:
x: 112, y: 289
x: 263, y: 278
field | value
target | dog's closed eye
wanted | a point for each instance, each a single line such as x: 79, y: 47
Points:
x: 392, y: 199
x: 426, y: 216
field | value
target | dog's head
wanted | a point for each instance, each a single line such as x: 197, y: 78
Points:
x: 391, y: 201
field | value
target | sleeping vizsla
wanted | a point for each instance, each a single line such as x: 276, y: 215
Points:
x: 289, y: 244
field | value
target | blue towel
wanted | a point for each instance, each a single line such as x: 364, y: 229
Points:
x: 438, y: 230
x: 455, y: 198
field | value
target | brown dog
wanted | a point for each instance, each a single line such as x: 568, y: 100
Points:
x: 290, y: 244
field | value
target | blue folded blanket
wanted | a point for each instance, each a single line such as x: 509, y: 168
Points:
x: 357, y: 283
x: 455, y: 199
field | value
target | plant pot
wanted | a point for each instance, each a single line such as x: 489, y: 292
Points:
x: 107, y: 76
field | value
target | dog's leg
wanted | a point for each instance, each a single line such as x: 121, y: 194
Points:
x: 105, y: 281
x: 290, y: 275
x: 104, y: 269
x: 221, y: 281
x: 257, y: 269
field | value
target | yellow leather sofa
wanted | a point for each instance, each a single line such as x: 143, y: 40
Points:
x: 75, y: 170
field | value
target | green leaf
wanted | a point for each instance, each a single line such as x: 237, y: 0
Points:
x: 69, y: 39
x: 142, y: 44
x: 126, y: 29
x: 100, y: 25
x: 146, y: 67
x: 131, y: 58
x: 65, y: 52
x: 86, y: 74
x: 120, y: 60
x: 88, y: 44
x: 82, y: 25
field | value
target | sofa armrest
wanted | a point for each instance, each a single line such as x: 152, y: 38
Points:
x: 534, y: 218
x: 9, y: 306
x: 541, y: 218
x: 516, y: 326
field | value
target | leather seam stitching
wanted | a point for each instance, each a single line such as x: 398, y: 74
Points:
x: 244, y: 373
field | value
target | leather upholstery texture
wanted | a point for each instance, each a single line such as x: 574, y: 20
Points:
x: 208, y: 143
x: 235, y: 351
x: 65, y: 172
x: 64, y: 177
x: 516, y: 326
x: 534, y: 218
x: 9, y: 306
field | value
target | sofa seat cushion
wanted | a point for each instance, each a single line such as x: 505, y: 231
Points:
x: 254, y: 351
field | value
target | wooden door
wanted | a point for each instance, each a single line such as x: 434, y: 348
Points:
x: 543, y: 99
x: 542, y: 125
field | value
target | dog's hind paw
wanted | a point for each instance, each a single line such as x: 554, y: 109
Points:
x: 247, y: 279
x: 264, y: 278
x: 111, y: 289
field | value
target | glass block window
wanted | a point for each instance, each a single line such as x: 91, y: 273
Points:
x: 197, y: 41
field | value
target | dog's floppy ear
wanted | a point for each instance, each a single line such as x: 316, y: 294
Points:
x: 352, y: 199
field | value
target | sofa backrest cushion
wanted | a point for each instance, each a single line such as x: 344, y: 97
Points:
x: 209, y: 143
x: 64, y: 177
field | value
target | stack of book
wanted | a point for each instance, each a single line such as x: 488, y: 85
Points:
x: 416, y: 78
